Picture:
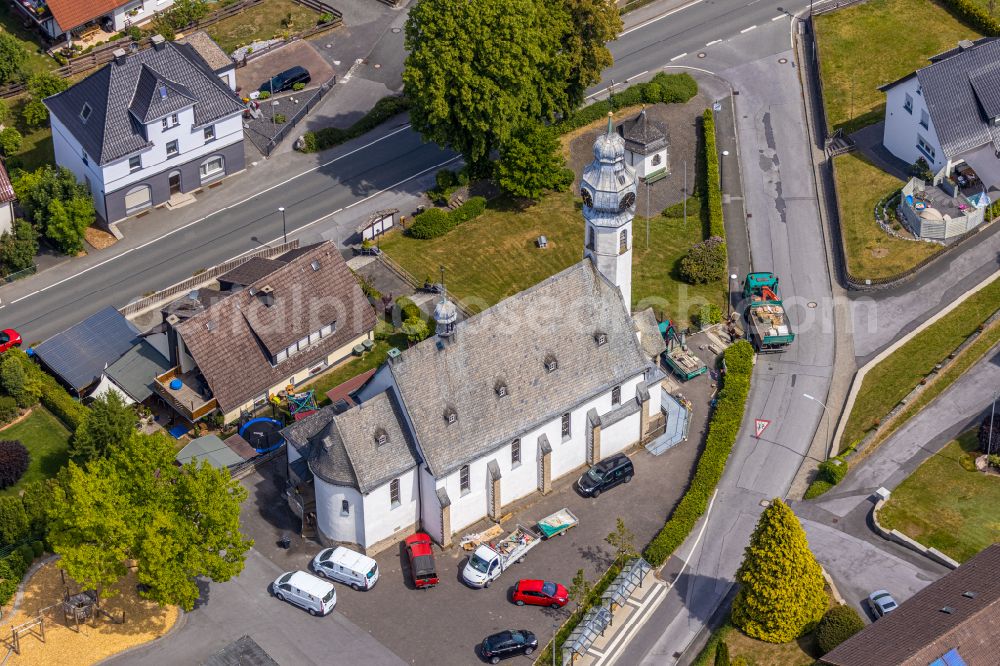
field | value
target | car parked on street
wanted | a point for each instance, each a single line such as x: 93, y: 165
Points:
x: 286, y: 80
x: 346, y: 566
x: 507, y: 644
x: 881, y: 603
x: 305, y: 591
x: 539, y: 593
x: 9, y: 338
x: 606, y: 474
x: 422, y: 568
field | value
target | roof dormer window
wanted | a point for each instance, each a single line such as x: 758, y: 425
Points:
x: 601, y: 338
x: 381, y: 437
x: 551, y: 363
x: 501, y: 389
x: 450, y: 415
x: 85, y: 112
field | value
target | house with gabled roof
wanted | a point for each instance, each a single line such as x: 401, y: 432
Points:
x: 495, y: 407
x: 235, y: 349
x: 59, y: 19
x: 148, y: 126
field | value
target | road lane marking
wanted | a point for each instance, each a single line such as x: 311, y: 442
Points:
x: 215, y: 212
x: 746, y: 30
x: 714, y: 41
x: 678, y: 57
x: 779, y: 17
x: 640, y: 617
x: 660, y: 17
x: 642, y: 73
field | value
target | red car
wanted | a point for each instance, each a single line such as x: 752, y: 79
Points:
x: 9, y: 338
x: 418, y: 549
x: 540, y: 593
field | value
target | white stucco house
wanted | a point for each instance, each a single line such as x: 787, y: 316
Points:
x: 948, y: 113
x: 493, y: 408
x: 150, y: 125
x: 58, y: 19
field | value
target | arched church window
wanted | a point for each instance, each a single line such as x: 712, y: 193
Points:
x: 623, y: 242
x: 656, y: 160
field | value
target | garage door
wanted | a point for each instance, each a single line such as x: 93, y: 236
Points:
x: 137, y: 198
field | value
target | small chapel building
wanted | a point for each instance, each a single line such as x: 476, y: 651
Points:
x: 647, y: 148
x: 496, y: 407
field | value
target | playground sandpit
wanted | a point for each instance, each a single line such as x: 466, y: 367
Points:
x: 144, y: 621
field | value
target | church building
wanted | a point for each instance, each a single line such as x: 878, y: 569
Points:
x: 496, y: 407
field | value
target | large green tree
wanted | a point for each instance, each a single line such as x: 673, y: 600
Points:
x: 478, y: 71
x: 59, y: 206
x: 13, y: 55
x: 178, y: 523
x: 107, y: 426
x: 530, y: 163
x: 781, y: 593
x: 18, y: 246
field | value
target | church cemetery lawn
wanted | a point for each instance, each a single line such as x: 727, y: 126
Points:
x: 263, y: 21
x: 46, y: 439
x: 945, y: 505
x: 877, y: 42
x: 494, y: 256
x: 892, y: 379
x: 871, y: 253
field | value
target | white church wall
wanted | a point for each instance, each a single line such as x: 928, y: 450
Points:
x: 620, y: 436
x: 333, y: 522
x: 382, y: 518
x: 430, y: 508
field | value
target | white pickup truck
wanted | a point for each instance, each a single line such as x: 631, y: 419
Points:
x: 489, y: 561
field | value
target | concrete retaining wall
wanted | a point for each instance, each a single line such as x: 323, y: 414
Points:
x: 912, y: 544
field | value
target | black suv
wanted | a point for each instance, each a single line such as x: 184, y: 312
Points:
x: 286, y: 80
x: 507, y: 644
x: 606, y: 474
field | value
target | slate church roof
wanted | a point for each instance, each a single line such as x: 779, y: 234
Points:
x: 122, y: 96
x: 643, y: 135
x: 560, y: 319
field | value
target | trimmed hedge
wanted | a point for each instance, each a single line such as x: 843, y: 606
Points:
x: 408, y: 308
x: 974, y: 15
x: 838, y: 624
x: 436, y: 222
x: 596, y: 592
x: 54, y: 397
x: 328, y: 137
x: 713, y: 183
x: 817, y: 488
x: 665, y: 88
x: 722, y: 432
x: 832, y: 472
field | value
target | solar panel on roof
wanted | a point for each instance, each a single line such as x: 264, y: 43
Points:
x: 80, y: 354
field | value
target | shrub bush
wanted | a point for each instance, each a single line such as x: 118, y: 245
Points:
x: 278, y: 118
x: 8, y: 409
x: 14, y: 460
x: 12, y: 569
x: 431, y: 223
x: 708, y: 315
x: 838, y: 624
x: 298, y: 86
x: 817, y: 488
x: 667, y: 88
x: 37, y: 548
x: 408, y: 309
x: 705, y: 262
x: 722, y: 655
x: 328, y: 137
x: 974, y: 15
x: 53, y: 396
x: 713, y: 184
x: 383, y: 330
x: 722, y: 432
x: 264, y: 94
x: 469, y: 210
x: 832, y: 471
x: 10, y: 141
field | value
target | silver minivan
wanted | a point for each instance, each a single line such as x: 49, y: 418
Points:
x: 346, y: 566
x: 306, y: 591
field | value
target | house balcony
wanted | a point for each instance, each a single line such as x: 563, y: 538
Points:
x: 186, y: 392
x: 36, y: 10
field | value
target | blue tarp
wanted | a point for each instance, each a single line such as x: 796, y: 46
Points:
x: 80, y: 354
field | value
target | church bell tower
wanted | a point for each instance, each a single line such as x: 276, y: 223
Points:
x: 608, y: 188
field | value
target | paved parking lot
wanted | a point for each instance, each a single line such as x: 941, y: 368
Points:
x: 301, y: 52
x: 444, y: 625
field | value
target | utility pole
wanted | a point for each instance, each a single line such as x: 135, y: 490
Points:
x: 685, y: 193
x: 647, y: 213
x: 284, y: 228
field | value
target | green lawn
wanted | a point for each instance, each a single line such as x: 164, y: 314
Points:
x: 871, y: 253
x: 12, y: 22
x: 47, y: 441
x: 353, y: 368
x: 263, y: 21
x: 494, y: 256
x: 877, y: 42
x: 945, y: 505
x: 892, y: 379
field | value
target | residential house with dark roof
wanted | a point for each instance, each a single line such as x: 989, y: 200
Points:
x: 954, y: 621
x: 148, y: 126
x: 948, y: 113
x: 491, y: 409
x: 59, y: 19
x: 230, y: 351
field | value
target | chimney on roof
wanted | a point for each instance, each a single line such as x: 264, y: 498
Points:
x: 120, y: 56
x: 965, y: 45
x: 158, y: 42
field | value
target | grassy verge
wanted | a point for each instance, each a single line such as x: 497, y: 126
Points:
x: 946, y: 503
x: 892, y: 379
x: 12, y: 23
x: 871, y: 253
x: 274, y: 18
x: 46, y: 439
x: 877, y: 42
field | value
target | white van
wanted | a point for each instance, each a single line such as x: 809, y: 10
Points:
x: 305, y: 590
x: 347, y: 566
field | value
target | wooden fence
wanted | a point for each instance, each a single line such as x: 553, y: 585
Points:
x: 194, y: 281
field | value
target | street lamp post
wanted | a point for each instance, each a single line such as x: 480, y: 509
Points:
x: 284, y: 229
x: 989, y: 438
x: 733, y: 277
x: 827, y: 412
